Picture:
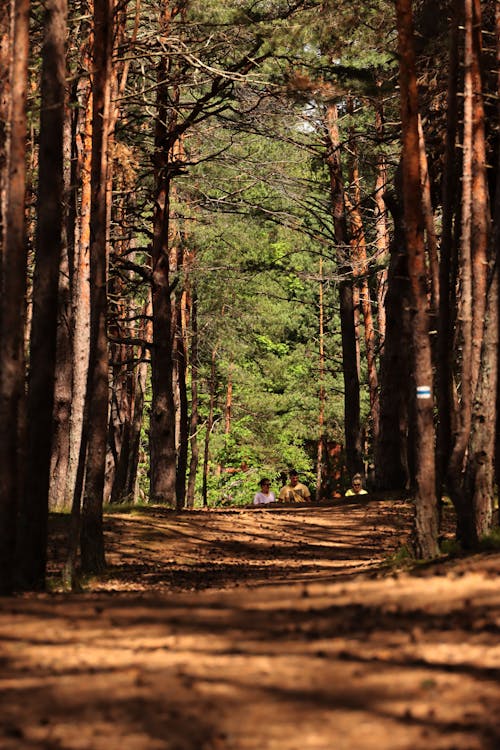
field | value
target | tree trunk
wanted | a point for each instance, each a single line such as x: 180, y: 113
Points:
x: 430, y: 231
x: 354, y: 458
x: 480, y: 468
x: 162, y: 425
x: 162, y: 422
x: 92, y: 537
x: 496, y: 241
x: 62, y: 389
x: 392, y: 471
x: 12, y: 301
x: 181, y: 369
x: 360, y: 271
x: 480, y: 215
x: 208, y: 430
x: 193, y: 422
x: 426, y: 526
x: 473, y: 265
x: 321, y: 385
x: 447, y: 278
x: 33, y: 514
x: 5, y: 94
x: 480, y: 475
x: 382, y: 234
x: 80, y: 288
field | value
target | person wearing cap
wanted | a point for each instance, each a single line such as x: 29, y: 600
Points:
x: 356, y: 487
x: 266, y: 495
x: 294, y: 491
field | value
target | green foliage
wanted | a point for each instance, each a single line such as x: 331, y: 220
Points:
x: 403, y: 558
x: 450, y: 547
x: 251, y: 201
x: 491, y: 541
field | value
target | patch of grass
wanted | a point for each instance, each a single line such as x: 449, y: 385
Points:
x: 401, y: 558
x: 130, y: 508
x: 450, y: 547
x: 490, y: 542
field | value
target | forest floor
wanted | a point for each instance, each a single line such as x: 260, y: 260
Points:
x: 285, y: 628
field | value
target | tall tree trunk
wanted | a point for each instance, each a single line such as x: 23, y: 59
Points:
x: 181, y: 369
x: 63, y: 373
x: 480, y: 475
x: 426, y: 525
x: 496, y: 245
x: 321, y: 393
x: 33, y: 515
x: 447, y: 279
x: 360, y: 272
x: 392, y: 465
x: 162, y: 426
x: 162, y: 422
x: 80, y: 286
x: 480, y: 468
x: 193, y: 422
x: 382, y: 234
x: 209, y: 426
x: 92, y: 537
x: 5, y: 94
x: 430, y: 230
x: 354, y: 458
x: 473, y: 263
x: 12, y: 301
x: 480, y: 215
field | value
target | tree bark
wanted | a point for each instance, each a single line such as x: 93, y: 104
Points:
x: 392, y: 464
x: 208, y: 429
x: 80, y: 288
x: 5, y: 93
x: 354, y: 458
x: 360, y: 272
x: 162, y: 422
x: 480, y: 468
x: 181, y: 370
x: 447, y: 266
x: 193, y: 422
x: 480, y: 474
x: 321, y: 387
x: 426, y: 525
x: 12, y: 301
x: 92, y: 537
x: 382, y: 234
x: 472, y: 265
x: 33, y: 515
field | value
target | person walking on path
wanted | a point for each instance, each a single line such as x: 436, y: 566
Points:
x: 294, y: 491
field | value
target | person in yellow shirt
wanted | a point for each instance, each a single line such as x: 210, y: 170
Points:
x: 294, y: 491
x: 356, y: 487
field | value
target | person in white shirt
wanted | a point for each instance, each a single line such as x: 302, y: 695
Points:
x: 265, y: 495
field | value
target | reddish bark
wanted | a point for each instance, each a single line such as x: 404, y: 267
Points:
x: 382, y: 234
x: 426, y: 525
x: 92, y: 539
x: 347, y: 319
x: 33, y: 515
x: 359, y: 258
x: 12, y: 301
x: 447, y: 274
x: 193, y: 422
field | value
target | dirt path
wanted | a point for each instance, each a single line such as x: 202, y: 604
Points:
x: 257, y: 629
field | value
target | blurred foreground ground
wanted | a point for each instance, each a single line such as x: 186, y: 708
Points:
x: 256, y: 629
